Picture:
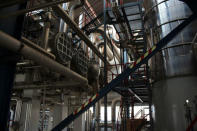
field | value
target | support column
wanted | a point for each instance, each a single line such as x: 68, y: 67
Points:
x: 18, y: 110
x: 30, y: 113
x: 60, y: 112
x: 79, y: 123
x: 98, y: 107
x: 13, y: 27
x: 50, y: 123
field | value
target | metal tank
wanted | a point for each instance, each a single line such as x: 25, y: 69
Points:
x: 169, y: 93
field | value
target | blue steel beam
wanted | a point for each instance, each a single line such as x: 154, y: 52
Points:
x: 142, y: 60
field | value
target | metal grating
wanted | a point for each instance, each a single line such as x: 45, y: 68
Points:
x: 63, y: 47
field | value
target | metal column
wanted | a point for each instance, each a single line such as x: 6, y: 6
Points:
x: 13, y: 27
x: 105, y: 65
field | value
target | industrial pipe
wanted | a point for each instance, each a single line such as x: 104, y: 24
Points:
x: 14, y: 45
x: 116, y: 53
x: 76, y: 29
x: 46, y: 31
x: 38, y: 48
x: 109, y: 52
x: 74, y: 7
x: 68, y: 85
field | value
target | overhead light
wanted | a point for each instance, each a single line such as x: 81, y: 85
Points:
x: 187, y: 101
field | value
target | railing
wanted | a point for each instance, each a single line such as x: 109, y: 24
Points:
x: 139, y: 71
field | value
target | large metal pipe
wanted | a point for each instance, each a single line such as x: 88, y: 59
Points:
x: 68, y: 85
x: 109, y: 52
x: 14, y: 45
x: 46, y: 31
x: 65, y: 6
x: 115, y: 49
x: 76, y: 29
x: 38, y: 48
x: 75, y: 6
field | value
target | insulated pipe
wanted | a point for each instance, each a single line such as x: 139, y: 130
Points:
x: 116, y: 52
x: 14, y: 45
x: 63, y: 25
x: 74, y: 7
x: 76, y: 29
x: 113, y: 111
x: 109, y: 52
x: 46, y: 31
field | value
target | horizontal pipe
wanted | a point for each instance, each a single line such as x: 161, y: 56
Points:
x: 14, y: 45
x: 68, y: 85
x: 41, y: 6
x: 33, y: 45
x: 76, y: 29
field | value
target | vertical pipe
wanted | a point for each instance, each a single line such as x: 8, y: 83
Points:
x: 105, y: 65
x: 46, y: 31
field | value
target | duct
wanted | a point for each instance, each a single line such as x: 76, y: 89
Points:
x: 76, y: 29
x: 14, y: 45
x: 113, y: 111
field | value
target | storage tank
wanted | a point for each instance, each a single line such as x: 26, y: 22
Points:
x: 175, y: 77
